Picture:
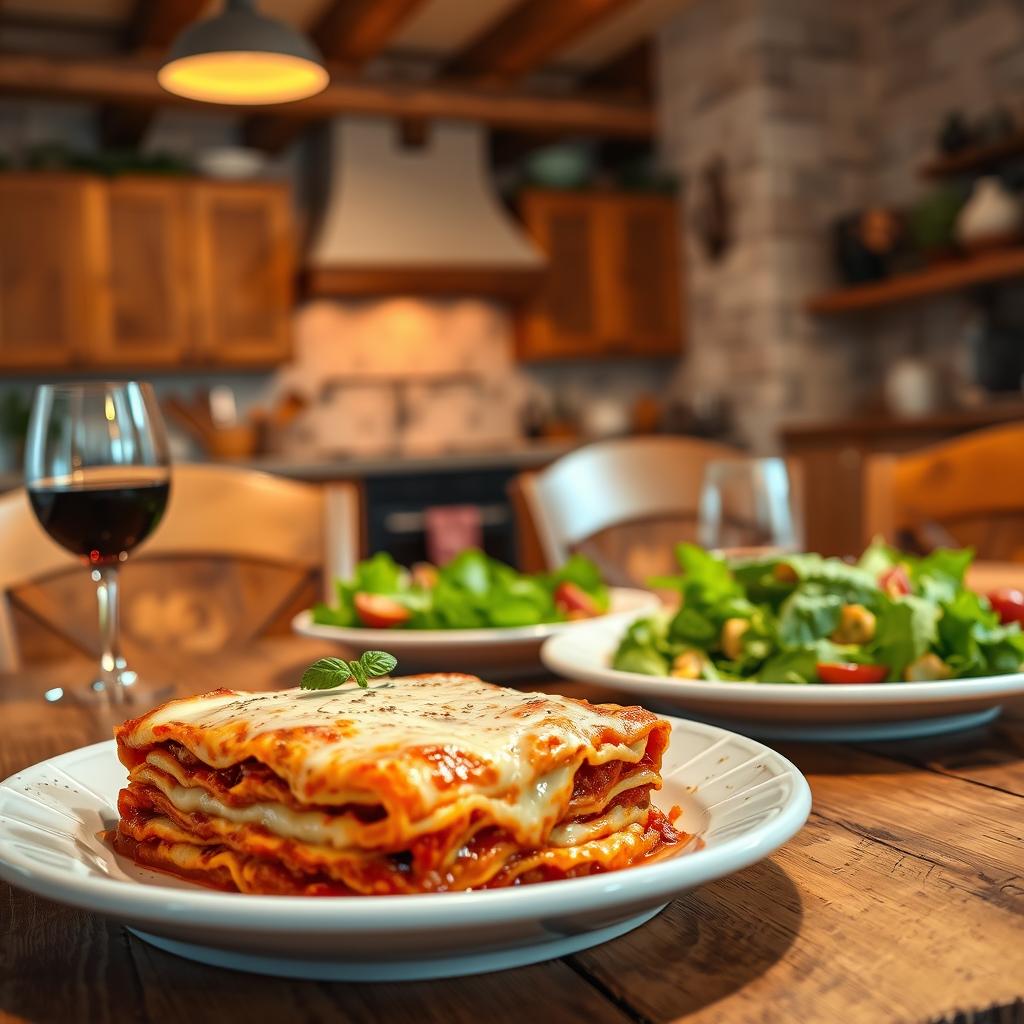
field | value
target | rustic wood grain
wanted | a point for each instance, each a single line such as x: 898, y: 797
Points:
x: 992, y: 756
x: 176, y: 989
x: 874, y: 935
x: 900, y: 900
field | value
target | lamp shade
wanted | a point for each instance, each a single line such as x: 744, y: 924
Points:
x: 242, y: 57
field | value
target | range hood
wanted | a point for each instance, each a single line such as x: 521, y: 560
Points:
x: 415, y: 220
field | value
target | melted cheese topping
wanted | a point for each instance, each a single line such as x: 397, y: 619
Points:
x: 419, y: 746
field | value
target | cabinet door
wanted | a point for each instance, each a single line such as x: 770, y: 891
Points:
x: 245, y: 266
x: 647, y: 286
x: 567, y: 318
x: 45, y: 319
x: 144, y: 304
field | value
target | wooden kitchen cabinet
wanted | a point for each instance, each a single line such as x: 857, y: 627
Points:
x: 142, y: 272
x: 244, y: 263
x: 143, y: 242
x: 46, y: 317
x: 613, y: 284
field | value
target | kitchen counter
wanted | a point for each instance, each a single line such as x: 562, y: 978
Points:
x: 520, y: 455
x: 941, y: 423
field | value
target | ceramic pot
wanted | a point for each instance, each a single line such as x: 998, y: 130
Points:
x: 992, y: 216
x: 912, y: 387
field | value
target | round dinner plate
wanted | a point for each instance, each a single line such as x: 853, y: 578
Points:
x: 740, y: 800
x: 498, y: 652
x: 850, y: 712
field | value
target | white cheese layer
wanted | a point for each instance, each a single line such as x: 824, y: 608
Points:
x: 531, y: 746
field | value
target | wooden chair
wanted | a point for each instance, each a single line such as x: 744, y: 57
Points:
x: 624, y: 503
x: 968, y: 491
x: 237, y: 554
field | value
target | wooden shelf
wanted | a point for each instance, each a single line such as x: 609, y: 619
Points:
x: 953, y: 276
x: 974, y: 158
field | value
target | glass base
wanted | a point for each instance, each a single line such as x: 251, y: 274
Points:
x: 121, y: 688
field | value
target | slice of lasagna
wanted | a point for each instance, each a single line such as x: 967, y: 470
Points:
x: 420, y: 784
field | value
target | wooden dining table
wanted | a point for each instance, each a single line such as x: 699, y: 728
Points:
x: 902, y: 899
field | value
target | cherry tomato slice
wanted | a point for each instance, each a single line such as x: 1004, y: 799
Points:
x: 573, y: 601
x: 1008, y: 603
x: 895, y: 581
x: 378, y: 611
x: 847, y: 672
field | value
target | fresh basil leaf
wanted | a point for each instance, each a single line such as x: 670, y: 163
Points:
x: 377, y: 663
x: 325, y: 674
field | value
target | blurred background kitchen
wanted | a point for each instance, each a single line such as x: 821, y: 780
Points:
x: 512, y: 226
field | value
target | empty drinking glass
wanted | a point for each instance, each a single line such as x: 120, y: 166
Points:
x: 746, y: 507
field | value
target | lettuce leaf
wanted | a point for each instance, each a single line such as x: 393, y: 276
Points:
x: 472, y: 591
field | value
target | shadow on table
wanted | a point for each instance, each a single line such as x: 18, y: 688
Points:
x: 992, y: 753
x: 703, y: 947
x: 999, y: 743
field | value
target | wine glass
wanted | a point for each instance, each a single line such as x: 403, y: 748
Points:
x: 746, y: 507
x: 97, y: 469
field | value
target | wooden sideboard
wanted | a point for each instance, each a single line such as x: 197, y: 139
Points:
x: 832, y: 456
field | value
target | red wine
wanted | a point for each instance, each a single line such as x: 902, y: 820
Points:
x: 101, y: 520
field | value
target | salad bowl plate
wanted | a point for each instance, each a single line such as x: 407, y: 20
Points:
x: 739, y: 799
x: 499, y: 652
x: 787, y: 711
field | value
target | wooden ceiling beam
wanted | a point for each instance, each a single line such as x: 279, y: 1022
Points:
x: 133, y: 80
x: 527, y: 37
x: 152, y: 27
x: 349, y: 33
x: 353, y: 32
x: 155, y: 24
x: 630, y: 73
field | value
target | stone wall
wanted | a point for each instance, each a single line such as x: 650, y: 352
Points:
x: 818, y: 108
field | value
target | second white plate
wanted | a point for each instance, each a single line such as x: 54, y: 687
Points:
x: 496, y: 653
x: 876, y: 711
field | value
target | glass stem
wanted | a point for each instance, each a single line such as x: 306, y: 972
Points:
x: 111, y: 662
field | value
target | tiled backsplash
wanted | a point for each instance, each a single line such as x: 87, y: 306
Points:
x: 404, y: 375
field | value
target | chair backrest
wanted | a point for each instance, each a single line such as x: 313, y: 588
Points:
x: 216, y: 516
x: 965, y: 491
x: 610, y: 484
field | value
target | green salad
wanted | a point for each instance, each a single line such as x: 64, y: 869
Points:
x: 807, y: 619
x: 472, y: 591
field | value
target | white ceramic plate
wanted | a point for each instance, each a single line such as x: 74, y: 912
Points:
x: 849, y: 712
x: 486, y: 652
x: 742, y: 799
